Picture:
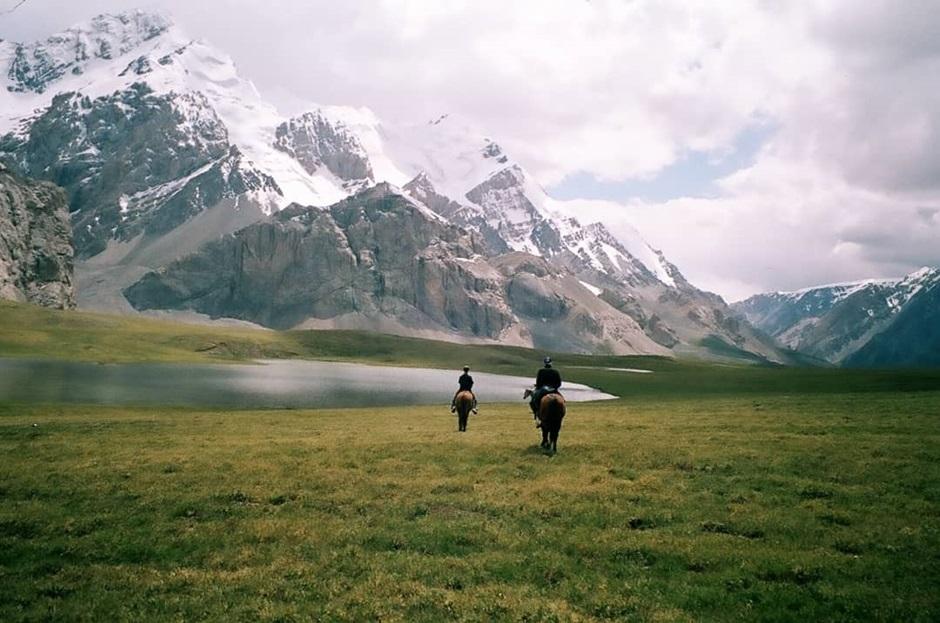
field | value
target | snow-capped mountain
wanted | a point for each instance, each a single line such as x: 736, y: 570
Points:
x: 912, y: 339
x: 34, y: 67
x: 836, y: 321
x: 162, y: 147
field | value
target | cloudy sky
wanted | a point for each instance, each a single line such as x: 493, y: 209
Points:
x: 765, y: 144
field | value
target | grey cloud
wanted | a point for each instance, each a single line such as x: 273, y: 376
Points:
x: 880, y: 32
x: 906, y: 239
x: 877, y: 119
x: 929, y: 215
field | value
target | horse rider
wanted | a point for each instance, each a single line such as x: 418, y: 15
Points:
x: 466, y: 385
x: 547, y: 381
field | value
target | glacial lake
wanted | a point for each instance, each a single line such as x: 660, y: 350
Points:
x: 265, y: 384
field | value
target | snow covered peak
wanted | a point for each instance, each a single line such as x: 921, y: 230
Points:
x: 422, y: 181
x: 108, y: 54
x: 895, y: 292
x: 33, y: 67
x: 910, y: 285
x: 924, y: 274
x: 451, y: 150
x: 112, y: 53
x: 630, y: 240
x: 129, y: 28
x: 838, y: 290
x: 317, y: 141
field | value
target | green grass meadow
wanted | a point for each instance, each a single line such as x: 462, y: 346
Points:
x: 706, y: 493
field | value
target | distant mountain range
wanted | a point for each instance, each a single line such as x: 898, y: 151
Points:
x: 188, y: 192
x: 871, y: 323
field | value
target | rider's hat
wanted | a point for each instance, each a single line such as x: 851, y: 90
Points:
x: 466, y: 368
x: 547, y: 361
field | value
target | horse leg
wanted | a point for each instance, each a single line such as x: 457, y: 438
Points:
x: 554, y: 441
x: 544, y: 437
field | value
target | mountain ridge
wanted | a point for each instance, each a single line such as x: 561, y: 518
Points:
x: 214, y: 144
x: 348, y: 261
x: 835, y: 322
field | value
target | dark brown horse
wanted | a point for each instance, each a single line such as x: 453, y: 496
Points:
x: 464, y: 402
x: 551, y: 413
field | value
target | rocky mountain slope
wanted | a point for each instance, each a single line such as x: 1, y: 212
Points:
x: 163, y: 148
x: 381, y: 260
x: 35, y: 247
x: 913, y: 339
x: 133, y: 163
x: 839, y: 322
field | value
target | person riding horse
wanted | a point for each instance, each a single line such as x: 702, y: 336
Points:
x: 466, y: 385
x: 547, y: 381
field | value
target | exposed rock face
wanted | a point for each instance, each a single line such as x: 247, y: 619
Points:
x: 513, y: 216
x: 375, y: 254
x: 316, y: 141
x: 560, y: 313
x: 534, y: 297
x: 421, y: 189
x: 378, y: 256
x: 835, y: 322
x: 35, y: 245
x: 660, y: 332
x: 133, y: 162
x: 632, y: 278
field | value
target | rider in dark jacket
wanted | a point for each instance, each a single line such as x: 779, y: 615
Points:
x: 466, y: 385
x: 547, y: 381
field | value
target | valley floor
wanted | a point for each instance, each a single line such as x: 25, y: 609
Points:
x: 762, y: 508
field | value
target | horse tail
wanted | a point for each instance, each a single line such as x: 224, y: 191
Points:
x: 551, y: 412
x: 464, y: 403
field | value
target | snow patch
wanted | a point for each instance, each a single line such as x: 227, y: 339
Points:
x: 594, y: 289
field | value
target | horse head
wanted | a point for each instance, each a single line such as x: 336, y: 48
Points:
x: 527, y: 393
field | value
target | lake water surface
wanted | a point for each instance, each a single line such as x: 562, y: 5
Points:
x: 277, y: 383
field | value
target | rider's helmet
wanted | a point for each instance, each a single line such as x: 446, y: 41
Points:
x: 466, y: 368
x: 548, y: 362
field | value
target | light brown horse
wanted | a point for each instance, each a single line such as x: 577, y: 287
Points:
x: 464, y: 402
x: 551, y: 412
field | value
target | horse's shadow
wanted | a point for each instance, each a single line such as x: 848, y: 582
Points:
x: 537, y: 450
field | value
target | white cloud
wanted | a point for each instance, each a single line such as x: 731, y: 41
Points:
x: 785, y: 225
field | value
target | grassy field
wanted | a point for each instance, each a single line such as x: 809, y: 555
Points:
x: 706, y: 493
